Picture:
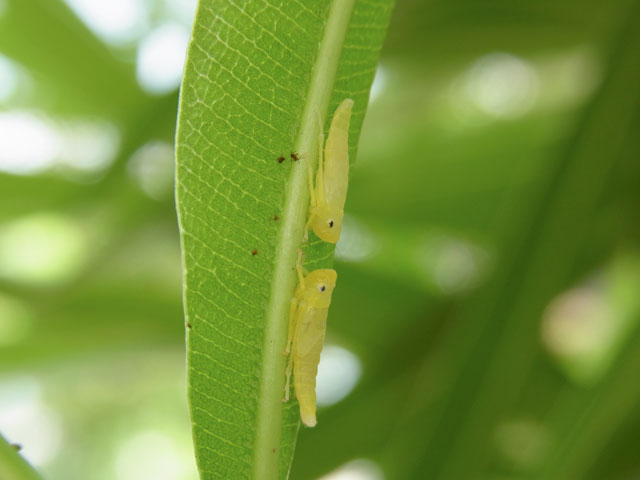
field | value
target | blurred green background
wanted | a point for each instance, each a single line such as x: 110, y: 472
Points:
x: 486, y: 320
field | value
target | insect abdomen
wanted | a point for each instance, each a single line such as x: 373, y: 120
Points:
x: 306, y: 360
x: 304, y: 375
x: 336, y: 170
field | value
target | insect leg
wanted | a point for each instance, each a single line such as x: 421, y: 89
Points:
x: 320, y: 176
x: 293, y: 334
x: 312, y: 193
x: 305, y: 237
x: 293, y: 327
x: 318, y: 192
x: 302, y: 272
x: 288, y: 382
x: 292, y: 312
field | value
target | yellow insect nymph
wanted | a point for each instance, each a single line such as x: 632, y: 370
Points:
x: 307, y: 326
x: 330, y: 192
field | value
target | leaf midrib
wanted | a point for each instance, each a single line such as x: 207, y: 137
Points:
x: 269, y: 416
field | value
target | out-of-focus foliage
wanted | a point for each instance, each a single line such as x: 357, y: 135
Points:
x: 487, y: 303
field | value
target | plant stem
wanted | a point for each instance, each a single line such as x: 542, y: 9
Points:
x: 268, y: 427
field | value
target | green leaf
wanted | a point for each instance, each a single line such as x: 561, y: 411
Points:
x: 258, y: 80
x: 74, y: 72
x: 494, y: 350
x: 12, y: 465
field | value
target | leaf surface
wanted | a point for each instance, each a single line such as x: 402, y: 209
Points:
x: 258, y: 81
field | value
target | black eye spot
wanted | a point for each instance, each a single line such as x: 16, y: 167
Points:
x: 330, y: 223
x: 322, y: 288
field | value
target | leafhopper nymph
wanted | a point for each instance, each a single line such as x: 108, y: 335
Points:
x: 307, y: 326
x: 330, y: 191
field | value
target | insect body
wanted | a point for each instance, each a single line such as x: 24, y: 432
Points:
x: 307, y: 325
x: 330, y: 191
